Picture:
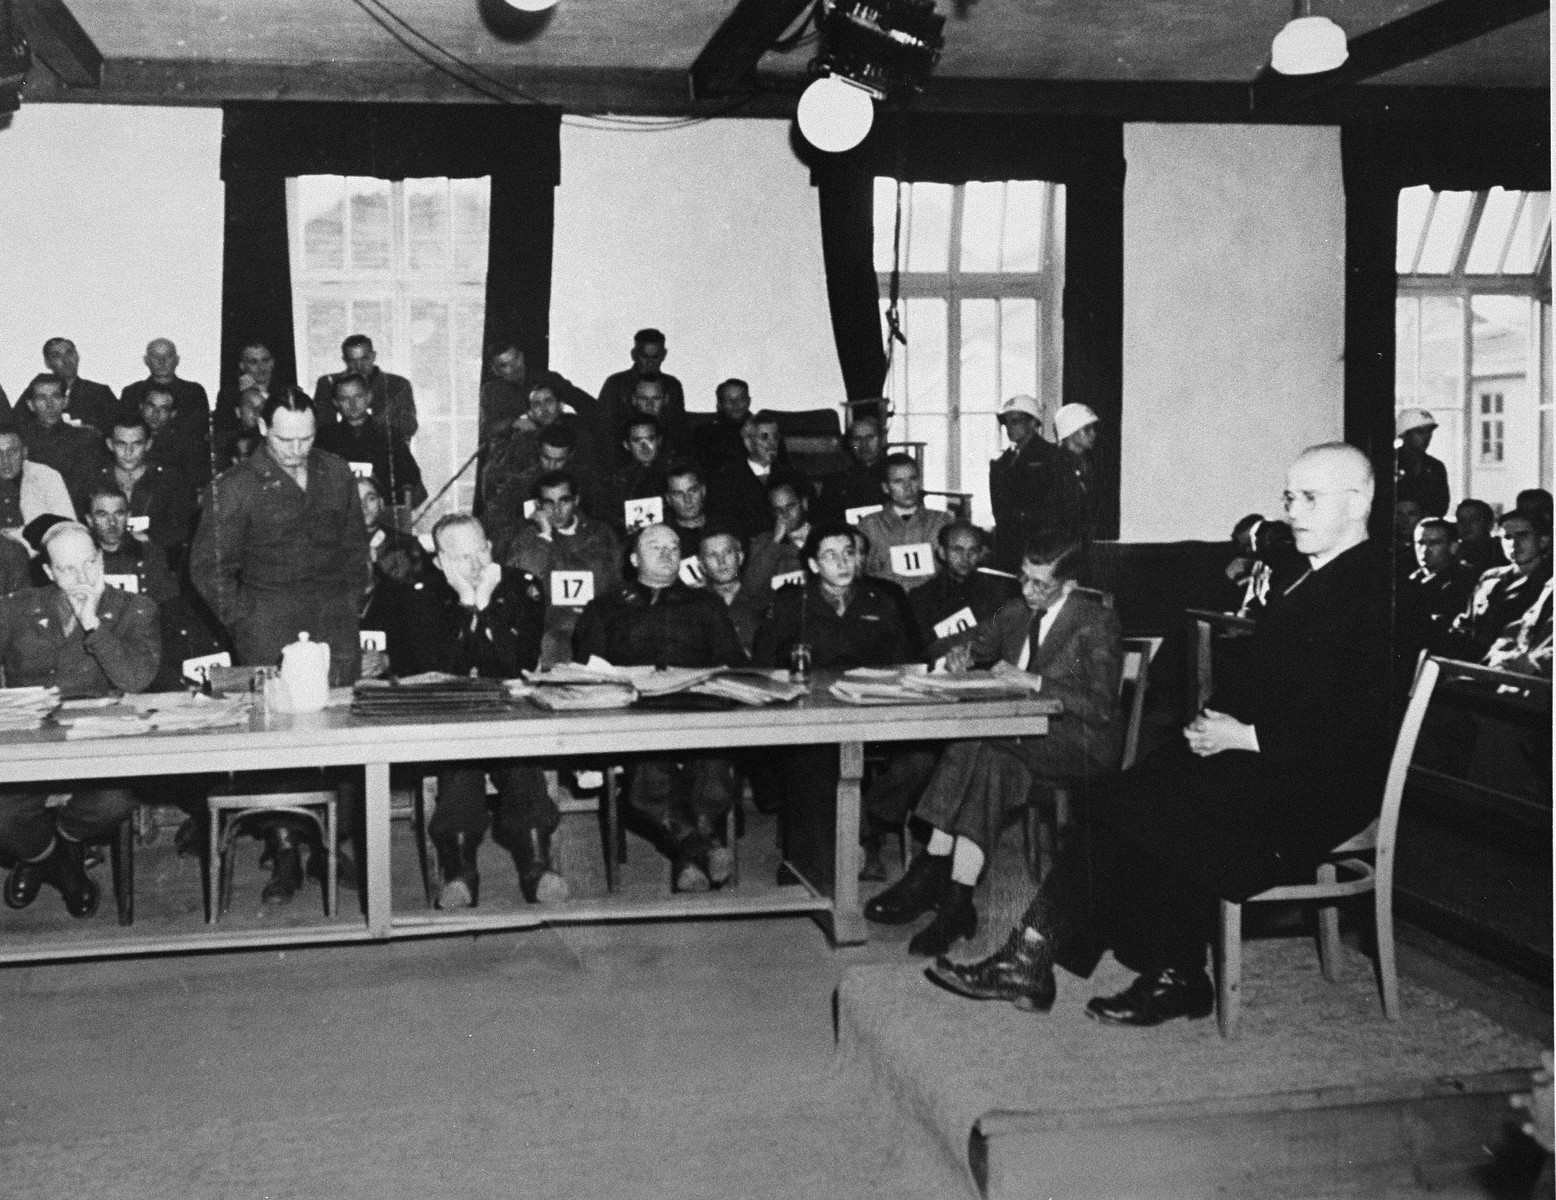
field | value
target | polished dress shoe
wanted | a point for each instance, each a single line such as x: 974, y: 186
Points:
x: 1021, y: 971
x: 532, y: 854
x: 66, y: 869
x: 23, y: 884
x: 286, y: 866
x: 920, y: 889
x: 1152, y: 999
x: 955, y: 917
x: 461, y: 886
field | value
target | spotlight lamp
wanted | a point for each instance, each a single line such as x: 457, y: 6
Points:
x: 870, y: 50
x: 1308, y: 45
x: 532, y: 6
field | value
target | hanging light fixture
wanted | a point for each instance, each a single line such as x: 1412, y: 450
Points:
x: 1308, y: 45
x: 532, y: 6
x: 870, y: 50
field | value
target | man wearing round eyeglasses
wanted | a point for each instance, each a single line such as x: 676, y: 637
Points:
x: 1267, y: 780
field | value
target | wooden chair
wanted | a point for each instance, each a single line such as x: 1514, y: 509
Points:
x: 1040, y: 836
x: 1376, y: 877
x: 227, y: 812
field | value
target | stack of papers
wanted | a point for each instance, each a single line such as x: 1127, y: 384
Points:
x: 910, y: 685
x: 599, y: 684
x: 569, y: 697
x: 26, y: 707
x: 430, y: 695
x: 151, y: 712
x: 753, y: 688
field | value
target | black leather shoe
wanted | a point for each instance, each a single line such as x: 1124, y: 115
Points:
x: 532, y: 854
x: 286, y: 866
x: 23, y: 884
x: 456, y: 860
x: 67, y: 871
x: 954, y: 918
x: 920, y: 889
x: 1021, y: 971
x: 1152, y: 999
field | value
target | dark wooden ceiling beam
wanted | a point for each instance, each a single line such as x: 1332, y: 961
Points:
x: 1427, y: 31
x: 662, y: 92
x: 726, y: 66
x: 57, y: 39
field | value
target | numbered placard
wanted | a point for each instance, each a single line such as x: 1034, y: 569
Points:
x: 691, y: 571
x: 649, y: 510
x: 572, y: 589
x: 125, y: 583
x: 373, y: 639
x: 362, y: 470
x: 198, y: 669
x: 788, y: 579
x: 854, y: 515
x: 529, y: 508
x: 962, y: 619
x: 913, y: 561
x: 140, y: 524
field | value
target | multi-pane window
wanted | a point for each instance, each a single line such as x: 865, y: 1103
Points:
x: 981, y: 279
x: 1491, y: 429
x: 1472, y: 330
x: 405, y: 263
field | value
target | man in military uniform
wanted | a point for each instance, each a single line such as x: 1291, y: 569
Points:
x: 391, y: 404
x: 86, y: 639
x: 1020, y: 481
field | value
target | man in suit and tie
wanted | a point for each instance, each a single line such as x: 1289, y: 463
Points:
x: 1073, y: 642
x: 1287, y: 762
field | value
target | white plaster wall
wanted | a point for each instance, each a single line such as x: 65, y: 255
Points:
x: 111, y: 235
x: 710, y: 234
x: 1234, y: 302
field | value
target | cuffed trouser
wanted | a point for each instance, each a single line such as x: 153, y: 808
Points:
x: 271, y: 621
x: 676, y: 796
x: 1159, y: 845
x: 523, y: 802
x: 28, y: 825
x: 978, y: 787
x: 898, y: 783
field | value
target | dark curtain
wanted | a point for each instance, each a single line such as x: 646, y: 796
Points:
x: 264, y: 143
x: 1378, y: 159
x: 1086, y: 155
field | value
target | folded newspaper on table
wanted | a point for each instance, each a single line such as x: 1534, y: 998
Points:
x: 911, y: 685
x: 153, y: 712
x: 755, y: 688
x: 599, y: 684
x: 24, y: 708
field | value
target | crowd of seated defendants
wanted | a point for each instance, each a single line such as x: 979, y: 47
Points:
x: 616, y: 526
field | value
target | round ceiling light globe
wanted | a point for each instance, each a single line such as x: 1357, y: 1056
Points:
x: 835, y: 115
x: 532, y: 6
x: 1308, y: 46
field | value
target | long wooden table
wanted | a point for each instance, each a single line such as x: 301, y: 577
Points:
x: 335, y: 738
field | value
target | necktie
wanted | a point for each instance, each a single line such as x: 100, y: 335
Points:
x: 1034, y: 637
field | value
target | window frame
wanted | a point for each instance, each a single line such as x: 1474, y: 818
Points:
x: 1044, y: 286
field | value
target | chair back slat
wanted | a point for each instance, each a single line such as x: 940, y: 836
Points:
x: 1404, y: 751
x: 1138, y: 653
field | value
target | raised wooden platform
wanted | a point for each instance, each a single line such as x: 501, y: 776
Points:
x: 1318, y: 1096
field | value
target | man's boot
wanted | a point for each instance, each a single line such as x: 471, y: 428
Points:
x: 67, y: 871
x: 918, y: 891
x: 286, y: 865
x: 532, y: 855
x: 457, y: 861
x: 25, y: 881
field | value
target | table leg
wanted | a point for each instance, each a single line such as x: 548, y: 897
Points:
x: 848, y: 927
x: 380, y: 914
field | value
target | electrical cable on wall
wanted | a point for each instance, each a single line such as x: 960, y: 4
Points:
x: 492, y: 88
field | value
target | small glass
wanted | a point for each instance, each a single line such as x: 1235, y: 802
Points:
x: 799, y: 662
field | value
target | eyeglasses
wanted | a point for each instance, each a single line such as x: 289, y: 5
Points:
x: 1307, y: 499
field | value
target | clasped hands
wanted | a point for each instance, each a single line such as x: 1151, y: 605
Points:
x: 1212, y: 732
x: 476, y: 593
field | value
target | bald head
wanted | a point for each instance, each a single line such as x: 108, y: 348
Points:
x: 657, y: 556
x: 1328, y: 499
x: 161, y: 359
